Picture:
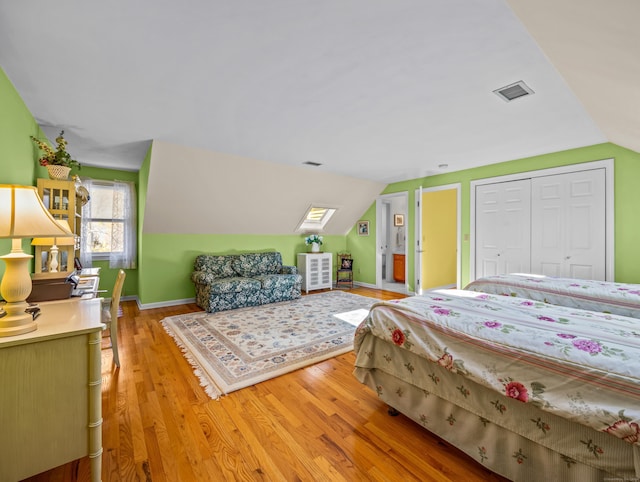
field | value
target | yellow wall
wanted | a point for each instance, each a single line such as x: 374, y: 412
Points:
x: 439, y: 238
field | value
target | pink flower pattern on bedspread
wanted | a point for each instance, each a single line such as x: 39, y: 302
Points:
x: 580, y: 365
x: 606, y: 296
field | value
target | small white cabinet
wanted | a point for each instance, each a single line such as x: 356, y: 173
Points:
x: 316, y: 270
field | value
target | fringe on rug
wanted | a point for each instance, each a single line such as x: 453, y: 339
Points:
x: 210, y: 388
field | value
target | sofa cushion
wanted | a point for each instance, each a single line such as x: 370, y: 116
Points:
x: 218, y: 266
x: 277, y: 281
x: 255, y: 264
x: 234, y: 285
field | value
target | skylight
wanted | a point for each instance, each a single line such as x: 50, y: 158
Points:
x: 315, y: 219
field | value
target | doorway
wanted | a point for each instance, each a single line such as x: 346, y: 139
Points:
x: 391, y: 242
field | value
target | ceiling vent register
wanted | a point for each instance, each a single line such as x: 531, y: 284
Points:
x: 513, y: 91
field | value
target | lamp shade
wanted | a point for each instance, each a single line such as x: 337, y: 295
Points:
x: 69, y: 240
x: 23, y: 215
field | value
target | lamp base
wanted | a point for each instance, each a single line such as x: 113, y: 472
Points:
x: 15, y: 288
x: 16, y: 321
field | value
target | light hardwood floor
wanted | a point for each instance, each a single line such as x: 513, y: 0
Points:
x: 317, y: 423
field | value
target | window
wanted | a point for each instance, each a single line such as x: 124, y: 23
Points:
x: 315, y: 219
x: 109, y: 223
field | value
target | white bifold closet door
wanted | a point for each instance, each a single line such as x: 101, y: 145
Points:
x: 568, y: 225
x: 503, y: 228
x: 550, y: 225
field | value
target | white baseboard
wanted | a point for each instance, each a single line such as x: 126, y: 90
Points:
x: 186, y: 301
x: 365, y: 285
x: 163, y: 304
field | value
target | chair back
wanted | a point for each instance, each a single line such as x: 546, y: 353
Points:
x: 115, y: 296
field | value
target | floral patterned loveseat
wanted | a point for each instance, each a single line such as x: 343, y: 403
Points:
x: 225, y: 282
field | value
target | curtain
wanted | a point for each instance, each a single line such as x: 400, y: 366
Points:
x: 86, y: 257
x: 122, y: 221
x: 124, y: 207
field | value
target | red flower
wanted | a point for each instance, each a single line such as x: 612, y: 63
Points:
x: 627, y: 431
x: 398, y: 337
x: 517, y: 390
x: 446, y: 361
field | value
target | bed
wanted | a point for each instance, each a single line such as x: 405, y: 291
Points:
x: 617, y: 298
x: 530, y: 390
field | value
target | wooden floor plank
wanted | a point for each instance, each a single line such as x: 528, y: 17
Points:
x: 317, y: 423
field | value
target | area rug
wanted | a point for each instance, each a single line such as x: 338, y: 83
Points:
x: 234, y: 349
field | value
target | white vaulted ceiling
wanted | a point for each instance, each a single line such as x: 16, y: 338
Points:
x: 380, y: 90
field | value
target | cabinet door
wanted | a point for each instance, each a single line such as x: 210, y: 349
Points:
x: 313, y: 273
x: 503, y: 228
x: 326, y: 271
x: 568, y: 225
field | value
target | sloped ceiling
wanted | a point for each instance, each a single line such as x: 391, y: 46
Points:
x: 372, y: 89
x: 245, y: 196
x: 595, y: 45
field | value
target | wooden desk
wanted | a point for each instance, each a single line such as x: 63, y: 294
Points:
x: 50, y: 391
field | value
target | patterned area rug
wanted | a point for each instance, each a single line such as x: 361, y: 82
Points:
x: 234, y: 349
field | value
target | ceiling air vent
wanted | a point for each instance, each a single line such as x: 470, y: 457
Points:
x: 513, y: 91
x: 311, y: 163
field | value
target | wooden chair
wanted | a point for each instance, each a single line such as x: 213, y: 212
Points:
x: 344, y: 273
x: 110, y: 314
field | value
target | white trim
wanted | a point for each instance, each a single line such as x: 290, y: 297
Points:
x: 365, y: 285
x: 163, y: 304
x: 607, y: 164
x: 379, y: 207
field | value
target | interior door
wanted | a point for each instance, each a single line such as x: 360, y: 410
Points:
x: 503, y: 228
x: 568, y: 220
x: 439, y: 238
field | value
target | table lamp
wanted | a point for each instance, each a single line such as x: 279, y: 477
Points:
x: 22, y: 215
x: 54, y: 243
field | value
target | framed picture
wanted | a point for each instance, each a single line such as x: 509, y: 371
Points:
x: 363, y: 228
x: 398, y: 219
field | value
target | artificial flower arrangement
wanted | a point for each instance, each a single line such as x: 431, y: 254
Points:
x: 59, y: 157
x: 314, y: 238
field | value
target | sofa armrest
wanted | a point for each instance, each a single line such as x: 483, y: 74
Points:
x: 202, y: 277
x: 288, y: 270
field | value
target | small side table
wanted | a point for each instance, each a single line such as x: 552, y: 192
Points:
x: 316, y: 270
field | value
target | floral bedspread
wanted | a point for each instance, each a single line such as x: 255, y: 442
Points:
x: 580, y: 365
x: 617, y: 298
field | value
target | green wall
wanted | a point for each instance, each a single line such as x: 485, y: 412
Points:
x: 17, y: 161
x: 627, y: 204
x: 167, y: 262
x: 18, y: 165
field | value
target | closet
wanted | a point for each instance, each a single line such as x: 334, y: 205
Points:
x: 554, y: 225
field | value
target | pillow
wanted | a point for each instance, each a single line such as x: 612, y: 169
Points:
x: 218, y: 266
x: 255, y: 264
x: 346, y: 264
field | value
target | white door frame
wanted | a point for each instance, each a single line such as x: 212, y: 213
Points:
x: 418, y: 234
x: 380, y: 202
x: 607, y: 164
